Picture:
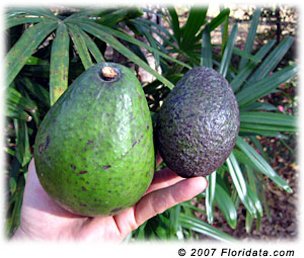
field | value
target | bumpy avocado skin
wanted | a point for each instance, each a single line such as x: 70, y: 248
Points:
x: 94, y: 150
x: 198, y: 123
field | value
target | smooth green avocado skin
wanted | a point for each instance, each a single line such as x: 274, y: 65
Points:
x: 198, y: 123
x: 94, y: 152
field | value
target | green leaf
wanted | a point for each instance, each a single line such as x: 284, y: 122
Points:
x: 253, y: 192
x: 80, y: 45
x: 265, y: 86
x: 15, y: 21
x: 32, y: 12
x: 85, y: 24
x: 14, y: 111
x: 226, y: 205
x: 15, y: 97
x: 253, y: 132
x: 59, y: 66
x: 260, y: 106
x: 228, y: 51
x: 192, y: 208
x: 206, y: 55
x: 272, y: 60
x: 250, y: 66
x: 37, y: 91
x: 262, y: 165
x: 174, y: 22
x: 248, y: 222
x: 153, y: 43
x: 13, y: 219
x: 196, y: 18
x: 240, y: 183
x: 81, y: 14
x: 225, y: 32
x: 98, y: 31
x: 268, y: 121
x: 257, y: 145
x: 251, y: 36
x: 174, y: 215
x: 92, y: 47
x: 244, y: 54
x: 157, y: 27
x: 219, y: 19
x: 121, y: 14
x: 23, y: 153
x: 210, y: 191
x: 204, y: 228
x: 10, y: 151
x: 25, y: 47
x: 33, y: 60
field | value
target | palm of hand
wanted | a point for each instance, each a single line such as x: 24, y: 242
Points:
x: 42, y: 218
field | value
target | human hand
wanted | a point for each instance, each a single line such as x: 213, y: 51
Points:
x: 43, y: 219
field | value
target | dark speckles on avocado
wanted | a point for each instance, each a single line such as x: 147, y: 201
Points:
x: 89, y: 142
x: 47, y: 141
x: 82, y: 172
x: 42, y: 147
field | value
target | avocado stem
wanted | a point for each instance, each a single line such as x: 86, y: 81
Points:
x: 108, y: 73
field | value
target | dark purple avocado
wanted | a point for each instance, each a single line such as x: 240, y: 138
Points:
x: 198, y: 123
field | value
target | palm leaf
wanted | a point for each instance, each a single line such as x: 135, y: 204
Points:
x: 226, y: 205
x: 265, y: 86
x: 272, y: 60
x: 210, y: 192
x: 98, y: 31
x: 262, y: 165
x: 244, y: 73
x: 25, y: 47
x: 228, y: 51
x: 94, y: 50
x: 40, y: 12
x: 23, y: 153
x: 196, y: 18
x: 206, y: 54
x: 15, y: 21
x: 175, y: 24
x: 59, y: 66
x: 80, y: 45
x: 219, y: 19
x: 251, y: 36
x: 268, y: 121
x: 128, y: 38
x: 240, y: 183
x: 203, y: 228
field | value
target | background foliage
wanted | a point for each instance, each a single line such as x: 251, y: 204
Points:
x: 48, y: 49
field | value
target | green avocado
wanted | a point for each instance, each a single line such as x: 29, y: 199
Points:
x: 198, y: 123
x: 94, y: 151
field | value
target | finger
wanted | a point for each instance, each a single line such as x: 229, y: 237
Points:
x: 164, y: 178
x: 158, y: 201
